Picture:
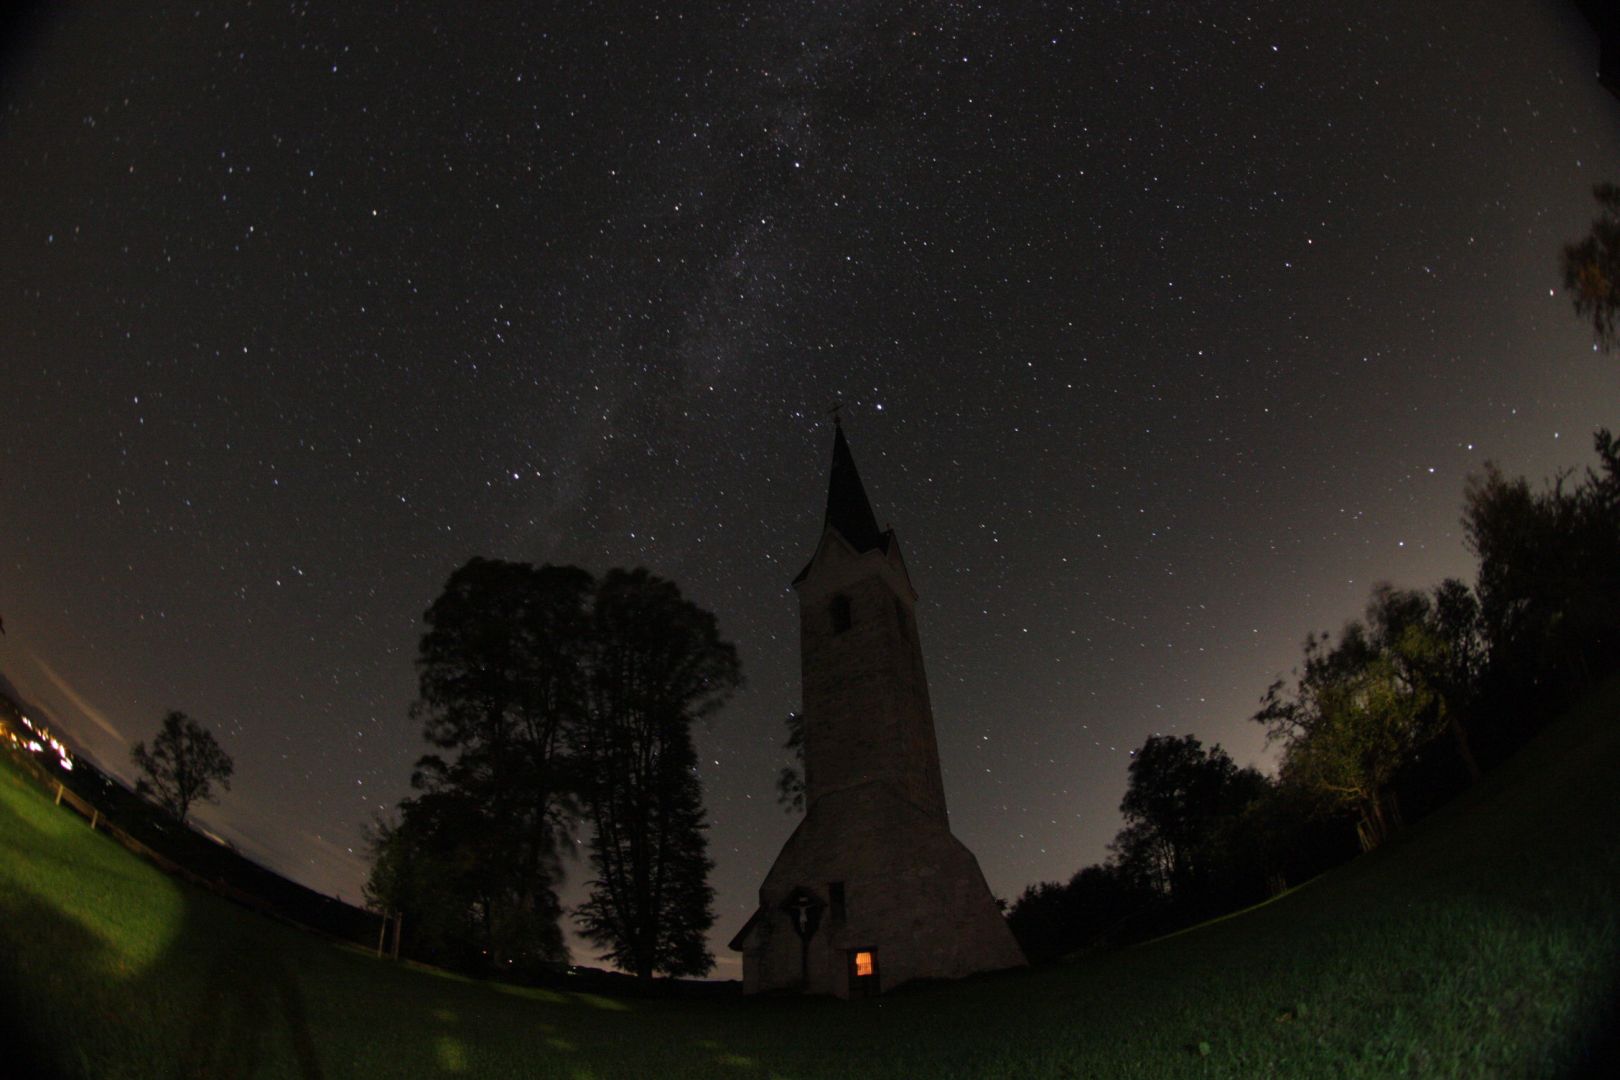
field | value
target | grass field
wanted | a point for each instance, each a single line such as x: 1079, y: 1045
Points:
x: 1482, y: 942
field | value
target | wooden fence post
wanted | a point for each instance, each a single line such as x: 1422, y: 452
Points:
x: 95, y: 816
x: 59, y: 793
x: 382, y: 933
x: 399, y: 928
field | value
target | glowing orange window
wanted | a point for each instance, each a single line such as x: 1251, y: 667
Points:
x: 863, y: 964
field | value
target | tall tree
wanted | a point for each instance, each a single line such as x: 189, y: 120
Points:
x: 422, y: 867
x: 1179, y: 801
x: 499, y: 686
x: 1549, y: 574
x: 657, y: 665
x: 1592, y: 269
x: 1361, y: 710
x: 182, y: 767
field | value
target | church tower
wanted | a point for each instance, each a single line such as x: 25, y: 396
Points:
x: 871, y: 890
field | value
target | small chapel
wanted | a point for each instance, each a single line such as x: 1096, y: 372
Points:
x: 871, y: 890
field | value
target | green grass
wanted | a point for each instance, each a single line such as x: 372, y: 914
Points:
x: 1481, y: 942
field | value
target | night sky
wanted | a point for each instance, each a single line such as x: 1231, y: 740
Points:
x: 1162, y: 336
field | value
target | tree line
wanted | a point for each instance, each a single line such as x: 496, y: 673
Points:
x: 557, y: 704
x: 1401, y: 711
x: 1380, y: 724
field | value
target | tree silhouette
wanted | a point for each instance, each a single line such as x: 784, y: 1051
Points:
x: 1549, y: 574
x: 1179, y: 801
x: 1053, y: 919
x: 549, y: 696
x: 657, y: 664
x: 500, y: 685
x: 790, y: 780
x: 1592, y: 269
x: 182, y: 766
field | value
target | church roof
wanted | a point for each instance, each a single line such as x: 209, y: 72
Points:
x: 740, y: 942
x: 849, y: 511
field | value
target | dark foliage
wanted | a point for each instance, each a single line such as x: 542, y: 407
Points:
x: 1279, y: 841
x: 552, y: 696
x: 790, y: 781
x: 473, y: 860
x: 1181, y: 809
x: 657, y: 664
x: 1592, y: 269
x: 1099, y: 907
x: 1549, y: 588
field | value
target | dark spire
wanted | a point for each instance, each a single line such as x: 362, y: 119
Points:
x: 848, y: 510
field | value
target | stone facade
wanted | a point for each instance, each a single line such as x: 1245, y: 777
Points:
x: 871, y: 890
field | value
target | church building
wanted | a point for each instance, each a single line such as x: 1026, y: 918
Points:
x: 871, y: 890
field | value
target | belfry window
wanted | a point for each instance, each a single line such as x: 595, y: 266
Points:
x: 841, y: 618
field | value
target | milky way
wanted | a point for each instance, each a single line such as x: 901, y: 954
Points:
x: 1161, y: 337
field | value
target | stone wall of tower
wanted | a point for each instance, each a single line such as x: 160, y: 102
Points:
x: 866, y: 708
x: 912, y: 893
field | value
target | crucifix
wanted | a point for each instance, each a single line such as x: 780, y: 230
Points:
x: 804, y: 909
